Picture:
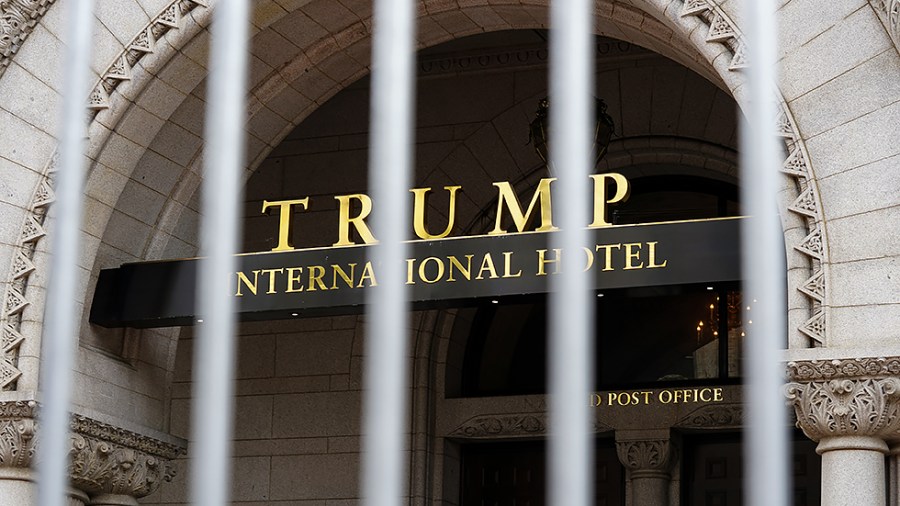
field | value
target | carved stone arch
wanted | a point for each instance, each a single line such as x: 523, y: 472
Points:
x: 716, y: 50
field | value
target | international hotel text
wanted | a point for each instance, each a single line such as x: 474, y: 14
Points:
x: 608, y: 188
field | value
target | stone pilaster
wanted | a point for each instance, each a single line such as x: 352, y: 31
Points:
x: 649, y: 463
x: 109, y: 466
x: 852, y: 409
x: 17, y: 450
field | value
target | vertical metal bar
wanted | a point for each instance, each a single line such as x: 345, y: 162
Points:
x: 765, y: 444
x: 61, y: 325
x: 571, y: 308
x: 223, y: 161
x: 390, y: 145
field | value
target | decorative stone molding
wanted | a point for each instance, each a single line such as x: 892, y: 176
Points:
x: 645, y: 455
x: 525, y: 56
x: 17, y: 288
x: 105, y: 459
x: 856, y: 397
x: 17, y: 20
x: 505, y: 426
x: 822, y: 370
x: 492, y: 426
x: 142, y: 44
x: 889, y: 13
x: 91, y: 428
x: 807, y: 205
x: 713, y: 416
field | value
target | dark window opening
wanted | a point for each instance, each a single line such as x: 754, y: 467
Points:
x: 650, y: 336
x: 513, y: 474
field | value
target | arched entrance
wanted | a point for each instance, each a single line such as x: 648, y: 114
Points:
x: 143, y: 180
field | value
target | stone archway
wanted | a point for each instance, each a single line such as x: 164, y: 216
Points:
x: 145, y: 59
x: 147, y: 97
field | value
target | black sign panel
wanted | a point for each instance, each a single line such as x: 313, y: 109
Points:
x: 336, y: 280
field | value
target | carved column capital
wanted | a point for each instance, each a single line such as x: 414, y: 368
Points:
x: 854, y: 397
x: 17, y: 433
x: 110, y: 461
x: 645, y: 456
x: 106, y: 461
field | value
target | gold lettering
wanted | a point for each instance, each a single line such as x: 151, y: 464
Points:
x: 589, y: 261
x: 242, y: 278
x: 419, y: 212
x: 367, y: 274
x: 608, y: 249
x: 316, y: 273
x: 284, y: 220
x: 704, y: 394
x: 665, y: 396
x: 542, y: 261
x: 596, y: 400
x: 487, y: 264
x: 337, y: 270
x: 294, y: 284
x: 358, y: 222
x: 271, y: 273
x: 410, y: 270
x: 651, y: 264
x: 623, y: 190
x: 465, y: 271
x: 507, y: 266
x: 520, y: 220
x: 440, y: 270
x: 717, y: 394
x: 631, y: 254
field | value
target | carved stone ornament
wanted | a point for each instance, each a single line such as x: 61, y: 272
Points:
x: 644, y: 455
x: 111, y: 460
x: 856, y: 397
x: 17, y: 433
x: 713, y: 416
x: 491, y: 426
x: 508, y: 425
x: 17, y: 20
x: 105, y: 459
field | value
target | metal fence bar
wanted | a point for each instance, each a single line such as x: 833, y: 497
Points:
x: 571, y: 307
x: 223, y: 162
x: 61, y: 323
x: 390, y: 155
x: 765, y: 443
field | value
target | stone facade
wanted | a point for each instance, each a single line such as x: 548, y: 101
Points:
x: 677, y: 64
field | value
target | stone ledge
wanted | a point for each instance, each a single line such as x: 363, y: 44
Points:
x: 824, y: 370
